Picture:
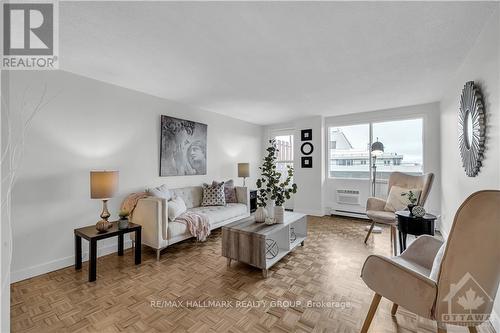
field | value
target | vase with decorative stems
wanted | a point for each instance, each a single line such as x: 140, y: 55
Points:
x: 412, y: 199
x: 274, y: 188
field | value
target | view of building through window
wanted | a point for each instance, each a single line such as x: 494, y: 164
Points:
x: 349, y: 149
x: 284, y: 143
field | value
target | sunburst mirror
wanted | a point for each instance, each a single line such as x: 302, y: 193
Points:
x: 471, y: 128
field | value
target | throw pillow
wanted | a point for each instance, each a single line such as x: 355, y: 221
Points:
x: 213, y: 195
x: 436, y: 264
x: 229, y: 191
x: 398, y: 198
x: 160, y: 192
x: 176, y: 207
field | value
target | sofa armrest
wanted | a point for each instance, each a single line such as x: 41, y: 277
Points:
x: 151, y: 214
x: 243, y: 196
x: 375, y: 204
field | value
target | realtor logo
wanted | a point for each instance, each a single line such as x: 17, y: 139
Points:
x: 30, y: 35
x: 467, y: 302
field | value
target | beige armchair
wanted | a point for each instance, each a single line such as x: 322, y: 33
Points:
x: 375, y: 206
x: 458, y: 289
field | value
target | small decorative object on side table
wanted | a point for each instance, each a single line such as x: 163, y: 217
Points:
x: 413, y: 225
x: 123, y: 221
x: 92, y: 235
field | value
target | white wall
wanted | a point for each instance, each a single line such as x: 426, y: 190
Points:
x: 430, y: 115
x: 92, y: 125
x: 482, y: 65
x: 310, y: 181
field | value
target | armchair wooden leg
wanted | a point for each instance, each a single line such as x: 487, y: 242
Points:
x: 394, y: 309
x: 472, y: 329
x: 394, y: 241
x: 371, y: 313
x: 369, y: 231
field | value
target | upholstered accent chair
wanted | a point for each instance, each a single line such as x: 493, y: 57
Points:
x: 375, y: 206
x: 454, y: 283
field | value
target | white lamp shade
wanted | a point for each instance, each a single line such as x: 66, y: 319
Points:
x: 103, y: 184
x: 243, y: 170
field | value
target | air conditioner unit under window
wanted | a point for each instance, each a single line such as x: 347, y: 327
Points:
x: 348, y: 197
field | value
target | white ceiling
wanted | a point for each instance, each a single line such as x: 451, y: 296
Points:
x: 269, y: 62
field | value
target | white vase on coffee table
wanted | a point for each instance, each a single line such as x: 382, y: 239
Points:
x: 260, y: 214
x: 279, y: 214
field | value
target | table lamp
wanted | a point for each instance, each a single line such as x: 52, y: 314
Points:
x: 103, y: 185
x: 243, y: 171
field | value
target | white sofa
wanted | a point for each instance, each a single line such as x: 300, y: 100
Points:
x: 158, y: 232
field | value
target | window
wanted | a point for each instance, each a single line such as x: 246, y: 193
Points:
x: 349, y: 144
x: 284, y: 143
x: 403, y: 147
x: 349, y: 149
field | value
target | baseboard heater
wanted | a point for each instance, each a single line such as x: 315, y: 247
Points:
x: 348, y: 213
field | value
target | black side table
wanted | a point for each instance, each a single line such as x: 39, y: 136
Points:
x: 413, y: 225
x: 92, y: 235
x: 253, y: 201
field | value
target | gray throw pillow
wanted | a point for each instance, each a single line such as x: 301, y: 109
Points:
x: 213, y: 195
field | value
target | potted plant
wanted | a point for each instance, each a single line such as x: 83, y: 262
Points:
x: 271, y: 187
x: 412, y: 199
x: 123, y: 222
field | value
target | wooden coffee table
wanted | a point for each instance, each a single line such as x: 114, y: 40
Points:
x: 262, y: 245
x: 92, y: 235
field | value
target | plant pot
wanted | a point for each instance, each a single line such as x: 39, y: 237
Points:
x: 279, y: 214
x: 260, y: 214
x: 123, y: 224
x: 410, y: 208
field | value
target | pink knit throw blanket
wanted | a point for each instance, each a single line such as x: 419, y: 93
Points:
x: 197, y: 224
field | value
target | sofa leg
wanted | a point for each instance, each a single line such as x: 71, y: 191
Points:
x: 472, y: 329
x: 158, y: 251
x: 369, y: 231
x: 371, y: 313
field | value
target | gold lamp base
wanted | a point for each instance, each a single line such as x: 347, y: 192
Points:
x: 103, y: 225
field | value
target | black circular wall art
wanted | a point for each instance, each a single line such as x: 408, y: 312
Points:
x: 471, y: 128
x: 307, y: 148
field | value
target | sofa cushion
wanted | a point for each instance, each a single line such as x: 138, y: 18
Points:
x: 192, y: 195
x: 176, y: 229
x: 213, y: 195
x: 218, y: 214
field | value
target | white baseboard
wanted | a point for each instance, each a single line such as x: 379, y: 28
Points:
x: 54, y: 265
x: 311, y: 212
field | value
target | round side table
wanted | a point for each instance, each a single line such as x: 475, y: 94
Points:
x: 413, y: 225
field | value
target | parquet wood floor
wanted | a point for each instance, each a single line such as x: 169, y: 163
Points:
x: 326, y: 269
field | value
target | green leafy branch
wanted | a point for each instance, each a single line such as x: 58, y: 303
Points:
x: 269, y: 185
